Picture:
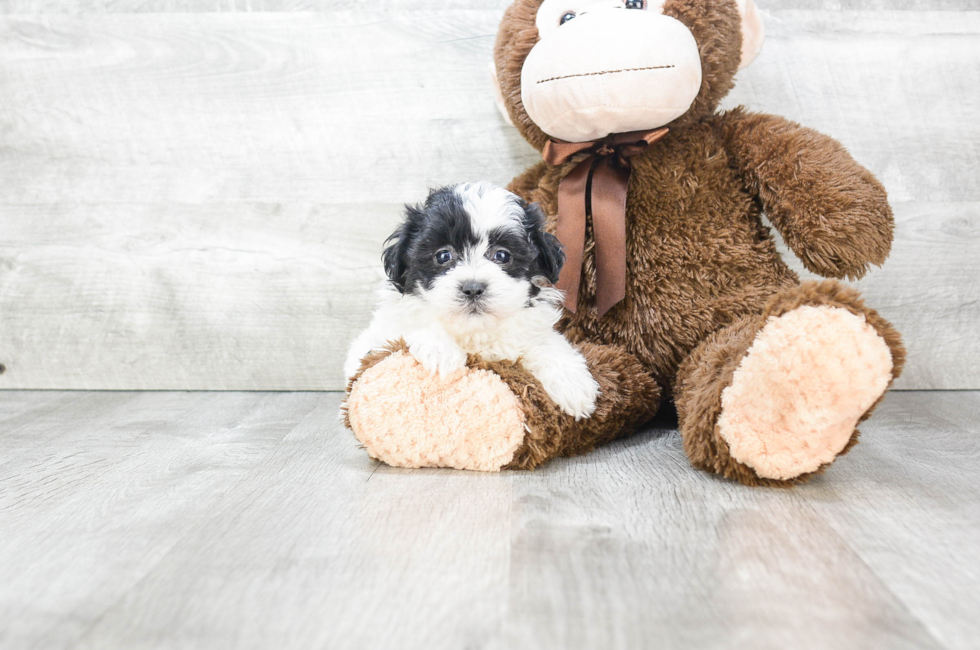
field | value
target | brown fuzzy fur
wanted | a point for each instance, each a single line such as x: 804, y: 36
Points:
x: 832, y: 212
x: 703, y: 270
x: 628, y: 398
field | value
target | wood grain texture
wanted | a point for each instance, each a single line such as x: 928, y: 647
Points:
x: 243, y: 296
x: 196, y: 199
x: 96, y: 488
x: 230, y: 520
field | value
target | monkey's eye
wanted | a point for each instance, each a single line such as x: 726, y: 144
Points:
x: 444, y: 257
x: 635, y: 4
x: 568, y: 15
x: 501, y: 256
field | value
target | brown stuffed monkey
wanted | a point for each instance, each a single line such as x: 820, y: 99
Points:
x: 674, y: 288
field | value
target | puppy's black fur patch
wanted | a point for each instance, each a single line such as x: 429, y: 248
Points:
x: 551, y: 256
x: 440, y: 222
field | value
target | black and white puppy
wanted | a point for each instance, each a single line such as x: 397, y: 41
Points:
x: 470, y: 271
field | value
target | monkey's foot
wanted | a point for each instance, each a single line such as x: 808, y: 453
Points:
x: 406, y: 417
x: 806, y: 381
x: 488, y: 415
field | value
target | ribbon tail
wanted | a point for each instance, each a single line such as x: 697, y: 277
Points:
x: 571, y: 230
x: 610, y: 183
x: 559, y: 152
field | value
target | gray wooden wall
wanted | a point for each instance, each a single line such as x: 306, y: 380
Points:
x: 193, y: 193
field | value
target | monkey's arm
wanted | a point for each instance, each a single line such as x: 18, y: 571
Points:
x: 832, y: 212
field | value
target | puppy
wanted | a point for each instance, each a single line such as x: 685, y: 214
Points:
x: 470, y: 272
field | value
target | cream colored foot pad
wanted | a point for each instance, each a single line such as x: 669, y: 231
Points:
x: 468, y: 420
x: 803, y: 385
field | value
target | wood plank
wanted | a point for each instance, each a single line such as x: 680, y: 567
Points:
x: 82, y: 7
x: 197, y: 200
x: 909, y: 500
x: 628, y: 547
x: 215, y: 296
x: 26, y: 432
x: 251, y: 520
x: 250, y: 296
x: 110, y: 484
x: 160, y: 125
x: 240, y: 107
x: 318, y: 540
x: 18, y: 404
x: 869, y: 5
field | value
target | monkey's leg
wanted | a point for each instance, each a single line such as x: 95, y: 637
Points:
x: 488, y: 416
x: 775, y: 398
x: 628, y: 398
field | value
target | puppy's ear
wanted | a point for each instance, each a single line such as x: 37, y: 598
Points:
x: 551, y: 256
x: 395, y: 255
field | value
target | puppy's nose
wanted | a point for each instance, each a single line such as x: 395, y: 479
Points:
x: 473, y: 289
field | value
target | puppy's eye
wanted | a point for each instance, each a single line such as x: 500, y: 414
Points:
x: 635, y: 4
x: 568, y: 15
x: 501, y: 256
x: 444, y: 257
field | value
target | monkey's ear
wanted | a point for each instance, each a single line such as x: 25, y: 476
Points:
x: 395, y: 255
x: 753, y: 31
x: 498, y: 94
x: 551, y: 255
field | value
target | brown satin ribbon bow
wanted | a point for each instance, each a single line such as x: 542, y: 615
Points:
x: 596, y: 187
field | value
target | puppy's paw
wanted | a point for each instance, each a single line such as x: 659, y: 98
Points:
x: 438, y: 356
x: 572, y: 388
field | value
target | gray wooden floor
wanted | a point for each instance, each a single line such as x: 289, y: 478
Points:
x: 214, y: 520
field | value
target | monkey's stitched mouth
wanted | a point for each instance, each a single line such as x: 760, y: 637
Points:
x: 593, y: 74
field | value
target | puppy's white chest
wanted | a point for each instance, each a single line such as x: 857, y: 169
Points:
x: 492, y: 345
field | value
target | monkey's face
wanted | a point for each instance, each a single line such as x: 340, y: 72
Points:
x: 579, y: 70
x: 606, y: 67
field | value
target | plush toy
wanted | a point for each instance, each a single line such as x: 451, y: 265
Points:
x: 674, y: 289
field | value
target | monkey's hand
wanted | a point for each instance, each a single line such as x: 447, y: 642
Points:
x: 832, y: 212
